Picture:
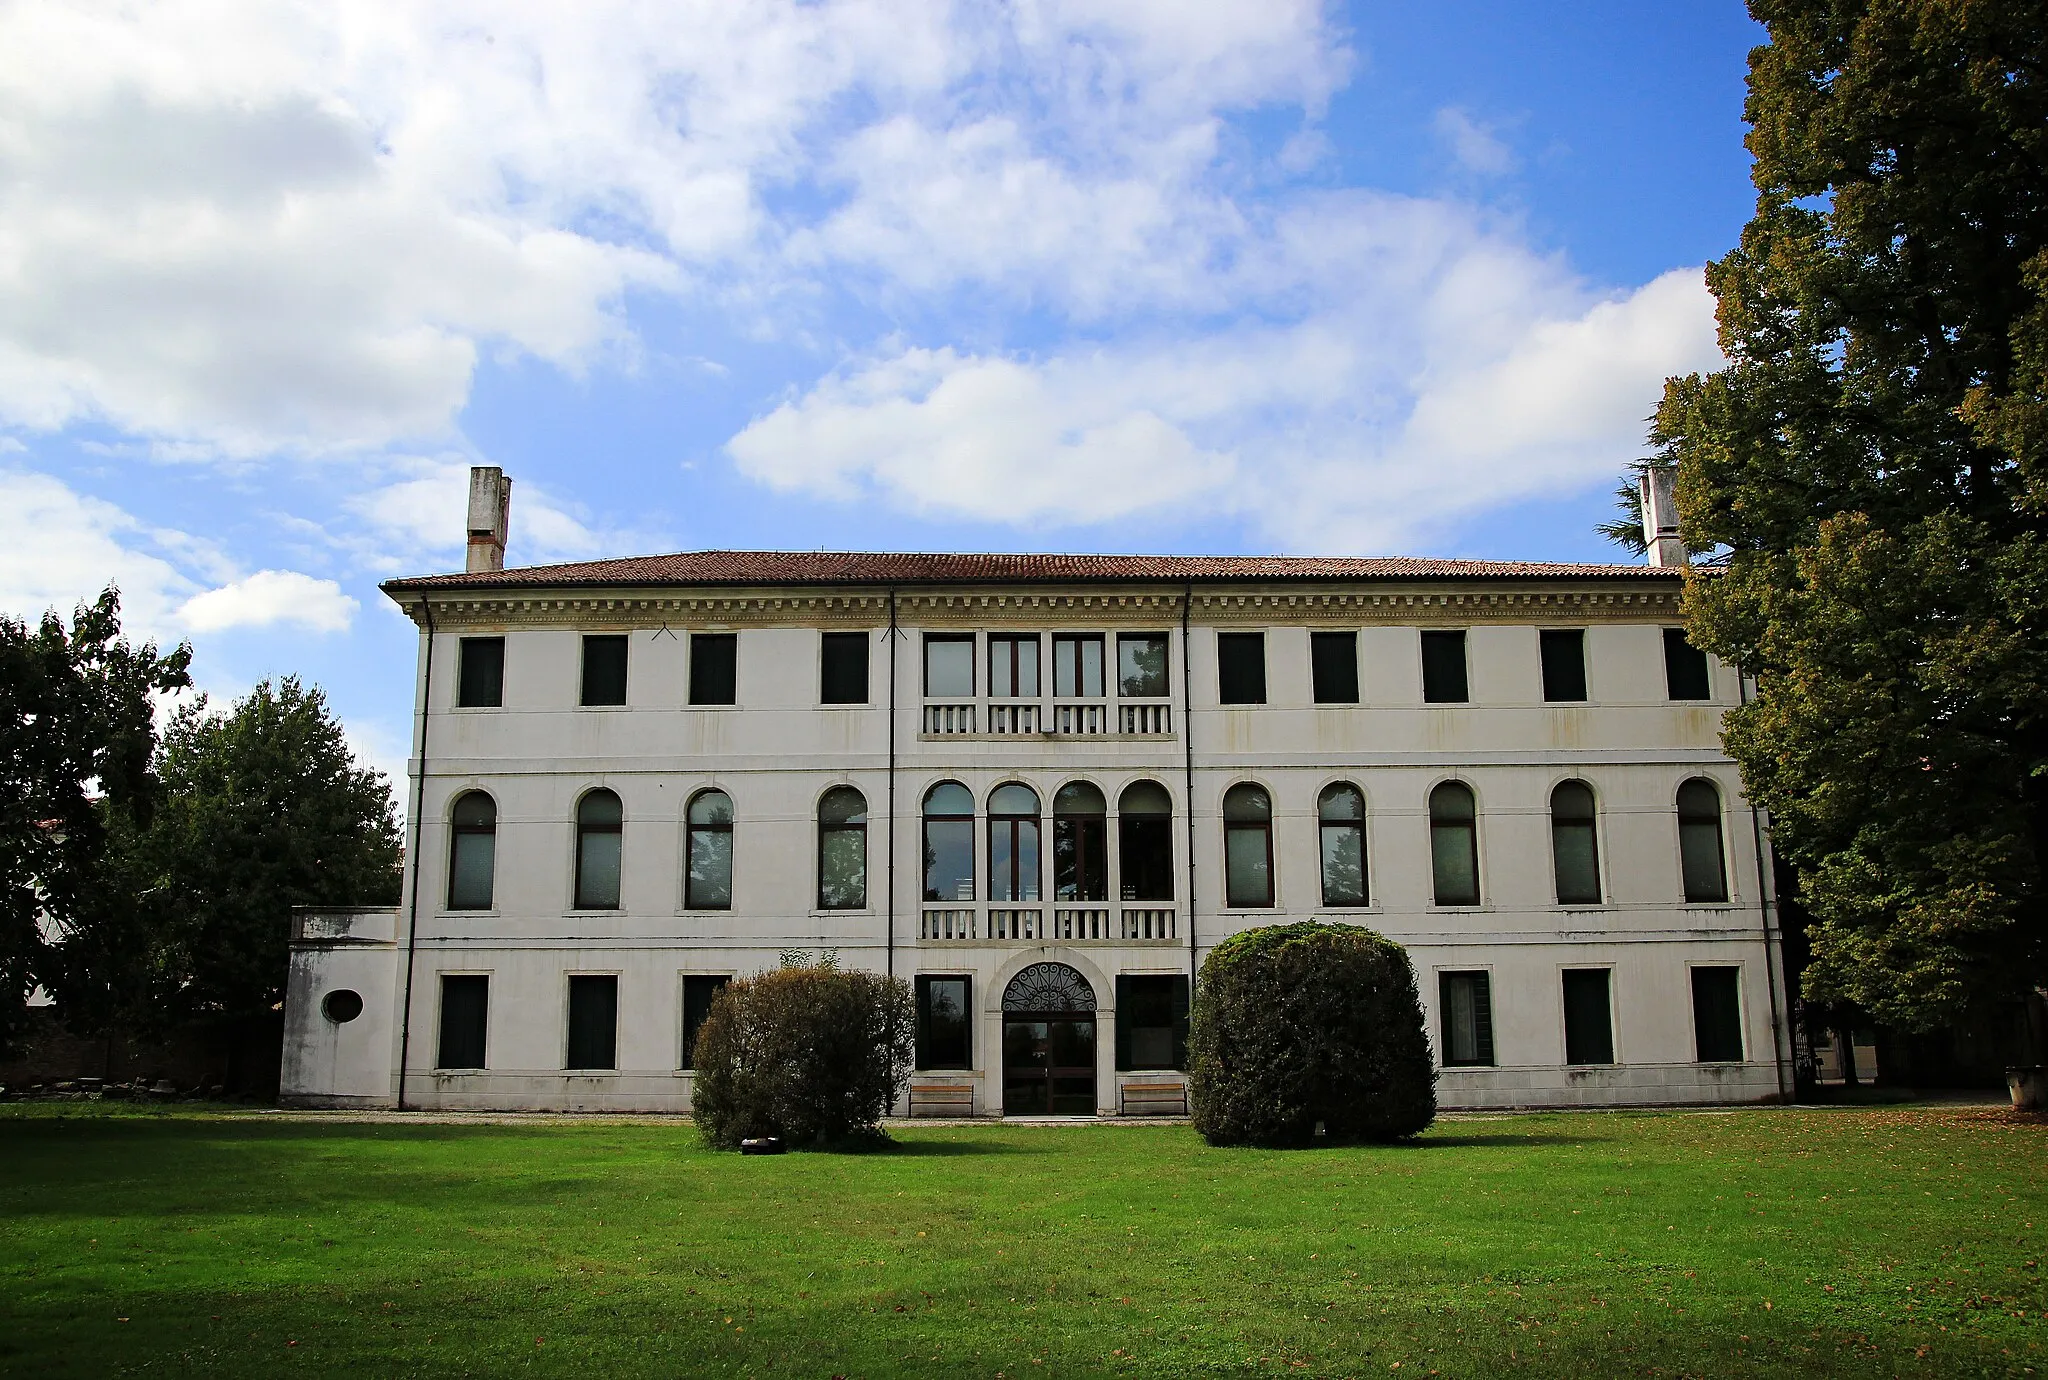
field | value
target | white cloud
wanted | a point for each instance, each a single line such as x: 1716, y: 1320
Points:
x: 268, y: 598
x: 1477, y: 147
x: 1360, y: 426
x: 59, y: 548
x: 285, y: 225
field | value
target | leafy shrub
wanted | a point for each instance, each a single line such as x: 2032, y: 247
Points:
x: 1299, y: 1024
x: 813, y: 1055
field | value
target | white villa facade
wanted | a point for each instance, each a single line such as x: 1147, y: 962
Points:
x: 1042, y: 788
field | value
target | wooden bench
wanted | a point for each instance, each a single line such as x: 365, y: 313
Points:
x: 942, y: 1099
x: 1155, y: 1099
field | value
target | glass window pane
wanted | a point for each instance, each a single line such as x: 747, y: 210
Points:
x: 1699, y: 848
x: 481, y: 683
x: 1454, y: 863
x: 593, y: 1022
x: 1443, y: 667
x: 1145, y: 857
x: 470, y: 871
x: 1685, y: 667
x: 1141, y: 665
x: 604, y: 670
x: 1341, y: 801
x: 698, y: 994
x: 714, y: 668
x: 944, y: 1037
x: 1468, y: 1018
x: 843, y: 805
x: 1343, y: 865
x: 949, y: 666
x: 843, y: 668
x: 1241, y: 668
x: 1145, y: 798
x: 1248, y: 873
x: 1563, y: 653
x: 1717, y: 1015
x: 1013, y: 799
x: 597, y: 870
x: 948, y: 798
x: 1588, y: 1027
x: 711, y: 807
x: 709, y: 886
x: 600, y: 810
x: 1079, y: 798
x: 949, y: 860
x: 1333, y: 667
x: 842, y: 868
x: 465, y: 1020
x: 1247, y: 803
x: 1079, y: 857
x: 1576, y: 853
x: 476, y: 811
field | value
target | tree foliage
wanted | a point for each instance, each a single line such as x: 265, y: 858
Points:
x: 262, y: 808
x: 77, y: 734
x: 814, y: 1055
x: 1872, y: 460
x: 1295, y: 1025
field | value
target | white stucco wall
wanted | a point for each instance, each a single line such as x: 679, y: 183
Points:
x: 778, y: 751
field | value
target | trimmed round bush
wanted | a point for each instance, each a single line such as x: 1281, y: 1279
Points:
x: 813, y: 1055
x: 1299, y: 1025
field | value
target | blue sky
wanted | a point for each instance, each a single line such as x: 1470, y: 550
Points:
x: 1047, y: 275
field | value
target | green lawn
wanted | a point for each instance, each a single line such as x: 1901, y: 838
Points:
x: 1831, y: 1242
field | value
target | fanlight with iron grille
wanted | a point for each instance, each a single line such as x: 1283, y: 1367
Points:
x: 1048, y: 987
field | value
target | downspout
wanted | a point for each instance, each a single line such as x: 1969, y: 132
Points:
x: 1781, y: 1037
x: 890, y: 832
x: 419, y: 824
x: 1187, y: 743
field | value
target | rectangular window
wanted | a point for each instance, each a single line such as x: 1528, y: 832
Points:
x: 1077, y: 666
x: 1443, y: 667
x: 1013, y: 666
x: 714, y: 668
x: 949, y: 665
x: 1685, y: 667
x: 1141, y: 666
x: 843, y: 668
x: 1717, y: 1015
x: 1467, y: 1003
x: 593, y: 1021
x: 465, y: 1017
x: 1241, y: 668
x: 604, y: 670
x: 944, y: 1034
x: 698, y: 994
x: 1333, y: 666
x: 481, y: 681
x: 1588, y: 1023
x: 1151, y: 1022
x: 1564, y: 664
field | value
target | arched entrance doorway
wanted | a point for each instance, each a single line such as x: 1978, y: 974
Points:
x: 1048, y: 1043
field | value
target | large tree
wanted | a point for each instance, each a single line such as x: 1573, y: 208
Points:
x: 1873, y: 464
x: 264, y: 807
x: 77, y: 733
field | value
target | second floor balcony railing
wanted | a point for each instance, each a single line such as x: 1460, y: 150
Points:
x: 1006, y: 922
x: 1014, y: 718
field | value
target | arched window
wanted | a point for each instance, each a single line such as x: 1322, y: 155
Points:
x: 1574, y: 846
x: 472, y: 852
x: 1699, y: 841
x: 842, y: 850
x: 1454, y: 844
x: 1080, y: 843
x: 1340, y: 819
x: 1145, y: 841
x: 708, y: 883
x: 600, y: 819
x: 1247, y: 846
x: 1013, y: 871
x: 948, y: 843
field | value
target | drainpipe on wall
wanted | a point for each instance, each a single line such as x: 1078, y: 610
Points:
x: 890, y: 832
x: 1187, y: 744
x: 1766, y: 887
x: 419, y: 796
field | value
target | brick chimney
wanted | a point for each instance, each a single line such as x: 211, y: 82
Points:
x: 1660, y: 516
x: 490, y: 517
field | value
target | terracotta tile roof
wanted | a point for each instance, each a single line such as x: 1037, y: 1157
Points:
x: 907, y: 568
